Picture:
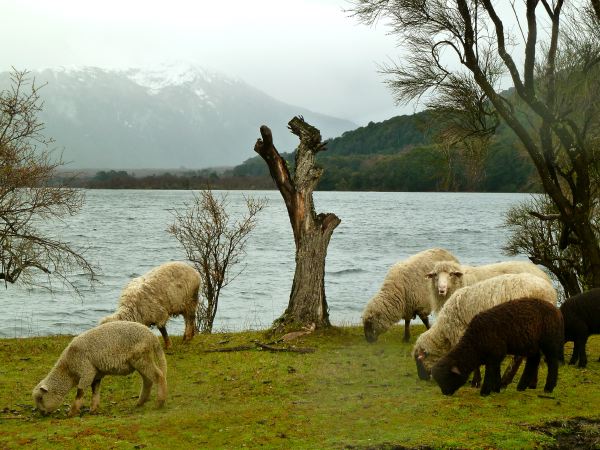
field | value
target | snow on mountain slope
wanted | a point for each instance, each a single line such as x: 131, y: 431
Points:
x: 170, y: 116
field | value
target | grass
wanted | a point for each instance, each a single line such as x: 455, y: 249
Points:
x: 347, y: 394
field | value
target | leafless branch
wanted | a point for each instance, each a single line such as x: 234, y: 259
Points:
x: 27, y: 197
x: 214, y: 243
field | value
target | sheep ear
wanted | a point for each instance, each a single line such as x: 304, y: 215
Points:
x: 455, y: 370
x: 430, y: 275
x: 44, y: 388
x: 457, y: 274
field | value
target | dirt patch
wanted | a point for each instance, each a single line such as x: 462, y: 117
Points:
x: 578, y: 433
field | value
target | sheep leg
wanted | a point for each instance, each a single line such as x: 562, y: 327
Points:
x: 146, y: 389
x: 534, y: 379
x: 573, y: 359
x: 146, y: 368
x: 552, y: 376
x: 491, y: 379
x: 190, y: 327
x: 406, y: 330
x: 165, y: 335
x: 76, y: 406
x: 511, y: 370
x: 580, y: 348
x: 529, y: 376
x: 95, y: 395
x: 88, y: 374
x: 162, y: 389
x: 151, y: 374
x: 425, y: 320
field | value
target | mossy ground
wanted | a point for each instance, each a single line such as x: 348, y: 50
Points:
x: 346, y: 394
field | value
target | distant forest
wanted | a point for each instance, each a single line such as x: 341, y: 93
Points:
x: 394, y: 155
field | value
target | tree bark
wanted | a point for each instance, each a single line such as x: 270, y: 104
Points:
x: 312, y: 232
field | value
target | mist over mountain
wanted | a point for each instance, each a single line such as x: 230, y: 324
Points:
x: 168, y: 117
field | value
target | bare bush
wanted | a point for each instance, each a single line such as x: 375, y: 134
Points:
x: 538, y: 238
x: 215, y: 243
x: 27, y: 197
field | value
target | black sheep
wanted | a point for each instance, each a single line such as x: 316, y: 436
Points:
x: 522, y: 327
x: 581, y: 314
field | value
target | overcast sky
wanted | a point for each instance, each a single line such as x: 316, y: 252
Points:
x: 308, y: 53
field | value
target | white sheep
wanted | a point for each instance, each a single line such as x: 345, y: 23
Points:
x: 115, y: 348
x: 465, y: 303
x: 403, y: 295
x: 448, y: 276
x: 167, y: 290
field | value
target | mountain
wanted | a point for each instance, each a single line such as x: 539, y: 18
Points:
x: 168, y: 117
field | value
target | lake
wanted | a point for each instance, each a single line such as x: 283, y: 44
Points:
x: 124, y: 233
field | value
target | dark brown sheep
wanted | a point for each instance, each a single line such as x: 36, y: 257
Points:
x: 523, y: 327
x: 581, y: 315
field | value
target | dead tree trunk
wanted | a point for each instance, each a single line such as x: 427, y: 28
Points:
x: 312, y: 232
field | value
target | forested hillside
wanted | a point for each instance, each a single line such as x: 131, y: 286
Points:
x: 399, y: 154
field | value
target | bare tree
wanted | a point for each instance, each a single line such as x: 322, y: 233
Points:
x: 27, y: 197
x: 539, y: 240
x: 215, y: 243
x: 312, y: 232
x: 460, y: 46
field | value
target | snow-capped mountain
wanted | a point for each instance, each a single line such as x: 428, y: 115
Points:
x: 167, y: 117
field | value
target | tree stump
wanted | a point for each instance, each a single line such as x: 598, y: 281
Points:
x: 312, y: 232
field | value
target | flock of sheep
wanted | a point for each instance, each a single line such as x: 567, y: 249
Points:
x: 481, y: 315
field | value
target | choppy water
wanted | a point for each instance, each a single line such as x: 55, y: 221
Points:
x: 126, y: 234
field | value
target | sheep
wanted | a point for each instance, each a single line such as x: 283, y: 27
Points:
x: 167, y: 290
x: 448, y: 276
x: 581, y: 314
x: 464, y: 304
x: 403, y: 295
x: 114, y: 348
x: 524, y: 327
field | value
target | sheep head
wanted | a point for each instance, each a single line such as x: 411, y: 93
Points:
x: 422, y: 371
x: 448, y: 376
x: 371, y: 332
x: 46, y: 398
x: 446, y: 277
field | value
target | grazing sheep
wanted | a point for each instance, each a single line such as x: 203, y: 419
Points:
x: 448, y: 276
x: 403, y: 295
x: 115, y: 348
x: 523, y: 327
x: 167, y: 290
x: 581, y: 314
x: 464, y: 304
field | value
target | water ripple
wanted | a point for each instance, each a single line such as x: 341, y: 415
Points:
x: 124, y: 233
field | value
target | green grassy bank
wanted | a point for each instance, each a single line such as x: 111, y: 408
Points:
x: 346, y: 394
